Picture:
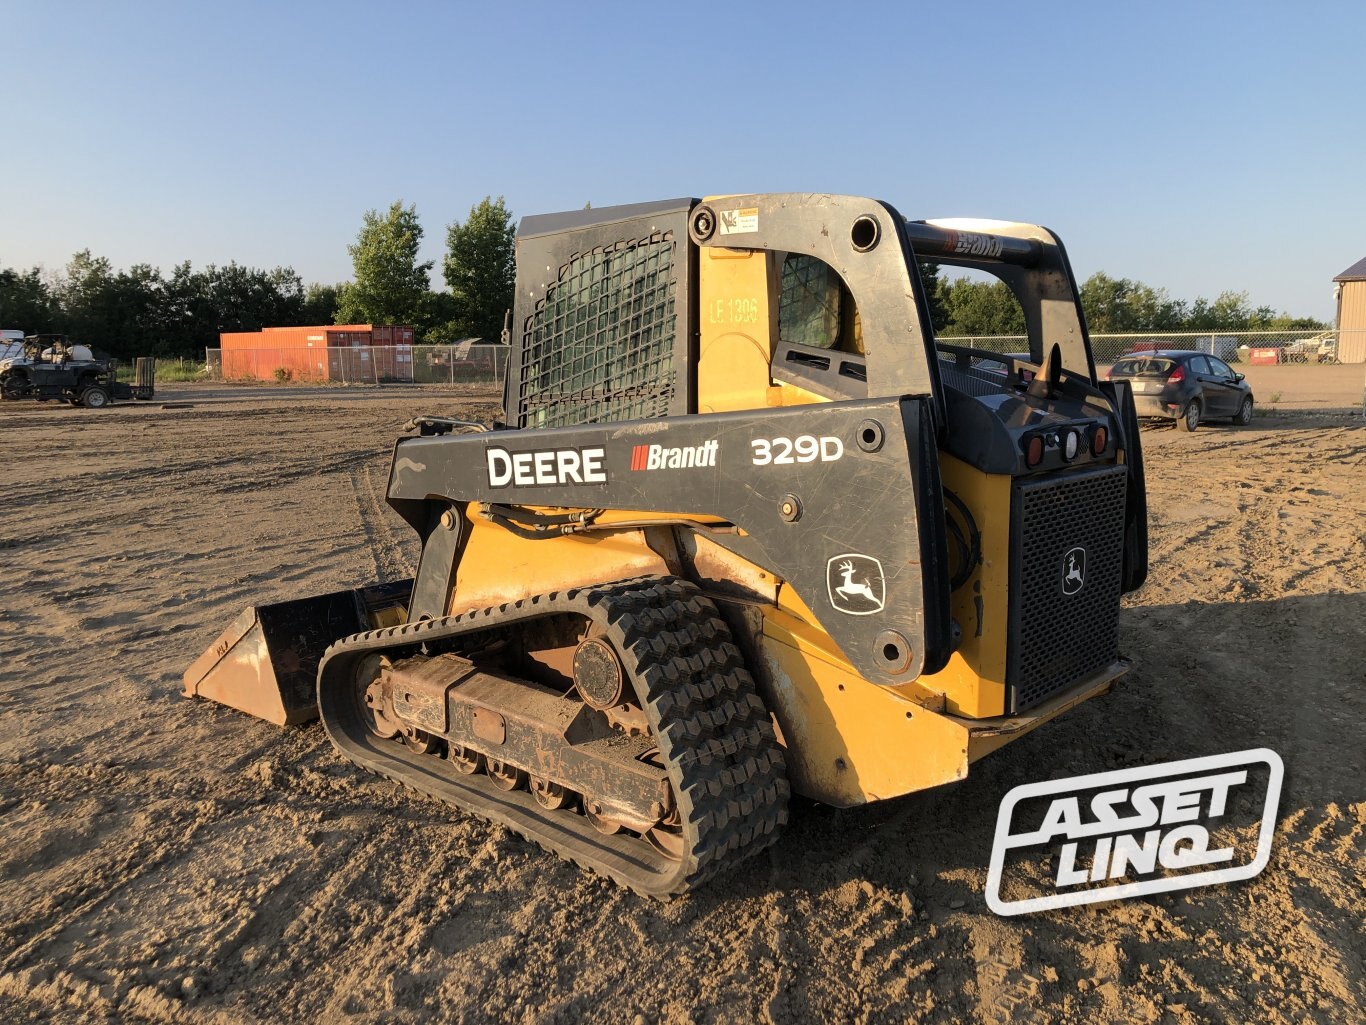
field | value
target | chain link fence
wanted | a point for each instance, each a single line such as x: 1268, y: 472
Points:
x: 1317, y: 346
x: 461, y: 363
x: 486, y: 364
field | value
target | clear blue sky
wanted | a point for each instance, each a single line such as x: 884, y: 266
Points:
x: 1197, y: 147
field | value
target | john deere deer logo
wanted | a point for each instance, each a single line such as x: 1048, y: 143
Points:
x: 855, y: 584
x: 1073, y: 570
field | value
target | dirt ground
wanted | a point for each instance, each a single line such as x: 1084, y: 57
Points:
x: 170, y: 861
x: 1292, y: 386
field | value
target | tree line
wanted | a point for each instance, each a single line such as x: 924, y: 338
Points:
x: 141, y: 311
x: 962, y: 306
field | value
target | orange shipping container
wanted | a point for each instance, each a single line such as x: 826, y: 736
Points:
x: 345, y: 352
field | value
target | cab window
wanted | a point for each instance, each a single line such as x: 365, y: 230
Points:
x: 815, y: 308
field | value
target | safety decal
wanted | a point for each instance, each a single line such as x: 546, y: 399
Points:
x: 740, y: 222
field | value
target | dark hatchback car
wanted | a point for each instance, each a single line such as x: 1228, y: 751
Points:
x: 1186, y: 386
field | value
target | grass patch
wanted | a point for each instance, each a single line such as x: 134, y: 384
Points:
x: 169, y: 371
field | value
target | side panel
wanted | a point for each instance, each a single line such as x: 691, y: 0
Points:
x: 1136, y: 500
x: 974, y: 681
x: 848, y: 743
x: 498, y: 566
x: 735, y: 329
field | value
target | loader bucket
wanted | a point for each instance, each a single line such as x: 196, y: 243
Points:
x: 266, y: 662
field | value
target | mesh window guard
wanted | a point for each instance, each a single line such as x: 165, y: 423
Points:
x: 599, y: 347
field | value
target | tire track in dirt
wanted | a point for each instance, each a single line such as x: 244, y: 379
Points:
x: 391, y: 563
x: 59, y: 908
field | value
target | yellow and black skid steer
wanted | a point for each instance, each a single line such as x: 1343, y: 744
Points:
x: 746, y: 528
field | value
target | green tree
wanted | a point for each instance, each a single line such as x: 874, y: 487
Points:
x: 320, y: 304
x: 979, y: 308
x: 132, y: 312
x: 1119, y: 304
x: 934, y: 296
x: 118, y: 312
x: 390, y: 285
x: 84, y: 292
x: 195, y: 306
x: 26, y: 301
x: 479, y: 269
x: 438, y: 324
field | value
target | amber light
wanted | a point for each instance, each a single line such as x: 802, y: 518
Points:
x: 1098, y: 439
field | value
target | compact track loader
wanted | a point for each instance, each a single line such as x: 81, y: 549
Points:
x: 747, y: 529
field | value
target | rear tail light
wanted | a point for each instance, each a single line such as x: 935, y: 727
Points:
x: 1099, y: 437
x: 1177, y: 376
x: 1034, y: 451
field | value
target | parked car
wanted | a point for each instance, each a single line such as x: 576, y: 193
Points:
x: 1186, y: 386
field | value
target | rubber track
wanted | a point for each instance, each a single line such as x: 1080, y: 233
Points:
x: 714, y: 733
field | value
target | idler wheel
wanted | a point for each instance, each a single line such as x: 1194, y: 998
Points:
x: 372, y: 700
x: 597, y: 673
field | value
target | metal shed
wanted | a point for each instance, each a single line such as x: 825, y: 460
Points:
x: 1351, y: 290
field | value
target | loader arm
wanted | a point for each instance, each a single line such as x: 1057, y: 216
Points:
x: 811, y: 489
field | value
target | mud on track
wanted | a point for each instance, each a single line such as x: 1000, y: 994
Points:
x: 169, y: 861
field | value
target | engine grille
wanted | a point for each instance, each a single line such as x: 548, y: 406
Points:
x: 1062, y: 631
x: 600, y: 345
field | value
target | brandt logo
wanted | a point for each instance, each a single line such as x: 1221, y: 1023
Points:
x: 660, y: 457
x: 970, y: 243
x: 1132, y: 832
x: 1073, y: 570
x: 855, y: 584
